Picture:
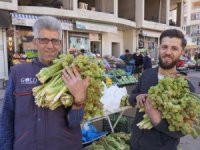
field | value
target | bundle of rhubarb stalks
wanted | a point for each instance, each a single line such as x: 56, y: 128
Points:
x: 179, y: 107
x: 53, y: 92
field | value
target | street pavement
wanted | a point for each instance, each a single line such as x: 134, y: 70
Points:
x: 187, y: 142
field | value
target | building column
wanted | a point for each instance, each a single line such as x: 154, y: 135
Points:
x: 139, y: 15
x: 75, y: 5
x: 163, y: 11
x: 116, y: 8
x: 167, y: 11
x: 180, y: 14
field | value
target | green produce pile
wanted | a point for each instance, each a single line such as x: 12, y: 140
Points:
x: 31, y: 53
x: 124, y: 101
x: 117, y: 72
x: 114, y: 141
x: 178, y: 105
x: 53, y: 93
x: 127, y: 80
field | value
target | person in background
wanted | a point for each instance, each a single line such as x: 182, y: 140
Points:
x: 24, y: 125
x: 82, y: 51
x: 147, y: 61
x: 138, y: 63
x: 172, y: 44
x: 127, y: 58
x: 103, y: 61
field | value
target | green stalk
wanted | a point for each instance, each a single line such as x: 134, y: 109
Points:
x: 48, y: 72
x: 63, y: 90
x: 54, y: 89
x: 66, y: 99
x: 53, y: 106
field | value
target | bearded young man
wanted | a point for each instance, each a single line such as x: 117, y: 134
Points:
x: 172, y: 44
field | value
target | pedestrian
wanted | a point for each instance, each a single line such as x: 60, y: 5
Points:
x: 24, y: 125
x: 147, y: 61
x: 172, y: 44
x: 128, y: 59
x: 138, y: 63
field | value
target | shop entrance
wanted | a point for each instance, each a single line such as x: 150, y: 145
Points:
x: 95, y: 47
x: 116, y: 49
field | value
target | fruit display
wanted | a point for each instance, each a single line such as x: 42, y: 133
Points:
x: 113, y: 61
x: 19, y: 58
x: 31, y: 53
x: 179, y: 107
x: 116, y: 72
x: 108, y: 81
x: 126, y: 80
x: 114, y: 141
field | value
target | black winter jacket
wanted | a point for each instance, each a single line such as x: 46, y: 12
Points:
x: 159, y: 137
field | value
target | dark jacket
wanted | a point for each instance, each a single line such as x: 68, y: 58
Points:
x: 35, y: 128
x: 147, y: 62
x: 138, y: 59
x: 159, y: 137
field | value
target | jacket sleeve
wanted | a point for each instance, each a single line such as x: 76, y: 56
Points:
x: 163, y: 125
x: 75, y: 117
x: 135, y: 92
x: 7, y: 118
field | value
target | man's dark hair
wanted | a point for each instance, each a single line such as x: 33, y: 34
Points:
x: 126, y: 51
x: 82, y: 51
x: 174, y: 33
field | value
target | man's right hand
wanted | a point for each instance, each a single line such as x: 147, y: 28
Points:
x: 141, y: 100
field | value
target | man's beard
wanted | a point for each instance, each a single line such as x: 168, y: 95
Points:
x: 167, y: 66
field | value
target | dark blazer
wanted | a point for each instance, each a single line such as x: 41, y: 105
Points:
x: 159, y: 137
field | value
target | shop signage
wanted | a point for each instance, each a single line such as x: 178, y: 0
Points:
x: 95, y: 27
x: 28, y: 20
x: 94, y: 37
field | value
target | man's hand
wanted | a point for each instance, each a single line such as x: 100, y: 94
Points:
x: 76, y: 85
x: 141, y: 100
x: 153, y: 113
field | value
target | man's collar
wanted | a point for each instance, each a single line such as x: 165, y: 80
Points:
x: 38, y: 63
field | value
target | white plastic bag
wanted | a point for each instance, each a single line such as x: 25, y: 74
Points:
x: 112, y: 97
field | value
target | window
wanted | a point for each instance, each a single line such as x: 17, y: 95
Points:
x: 193, y: 16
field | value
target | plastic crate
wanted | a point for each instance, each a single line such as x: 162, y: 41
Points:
x: 124, y: 124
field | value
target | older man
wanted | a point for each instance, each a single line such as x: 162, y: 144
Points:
x: 23, y: 125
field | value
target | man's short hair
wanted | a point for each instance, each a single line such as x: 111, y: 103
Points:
x: 49, y: 23
x: 127, y: 51
x: 174, y: 33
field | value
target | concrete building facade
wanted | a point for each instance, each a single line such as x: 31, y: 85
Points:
x: 107, y: 27
x: 192, y: 21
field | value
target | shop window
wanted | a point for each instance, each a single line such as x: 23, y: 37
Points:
x: 79, y: 41
x: 24, y: 50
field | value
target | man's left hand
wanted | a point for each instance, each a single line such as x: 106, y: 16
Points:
x: 76, y: 85
x: 153, y: 113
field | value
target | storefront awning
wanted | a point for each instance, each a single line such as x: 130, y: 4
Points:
x: 28, y: 20
x: 96, y: 27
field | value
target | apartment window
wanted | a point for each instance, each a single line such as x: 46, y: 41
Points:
x: 193, y: 16
x: 197, y: 16
x: 185, y: 20
x: 194, y: 39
